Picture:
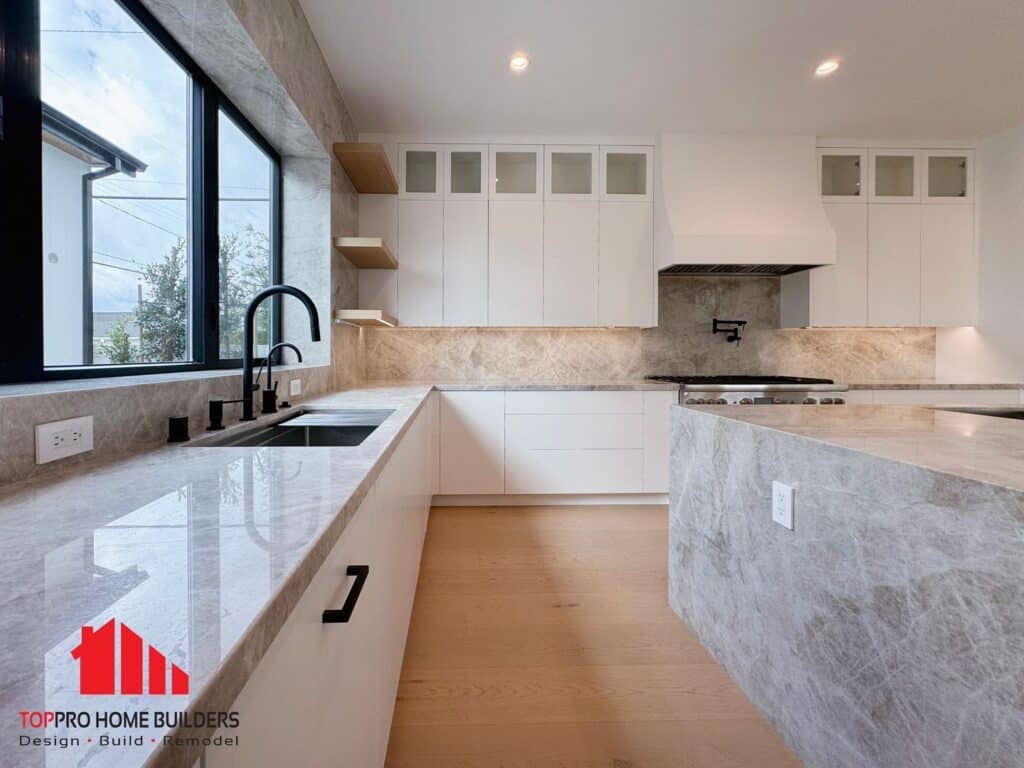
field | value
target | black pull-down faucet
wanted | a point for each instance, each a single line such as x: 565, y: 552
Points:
x: 250, y: 314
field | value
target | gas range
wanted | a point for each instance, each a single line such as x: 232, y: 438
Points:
x: 756, y: 390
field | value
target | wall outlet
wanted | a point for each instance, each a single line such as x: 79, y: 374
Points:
x: 295, y: 387
x: 60, y: 439
x: 782, y: 504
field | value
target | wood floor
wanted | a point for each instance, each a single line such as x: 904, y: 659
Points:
x: 541, y: 637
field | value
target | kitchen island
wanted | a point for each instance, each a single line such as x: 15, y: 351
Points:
x: 886, y: 628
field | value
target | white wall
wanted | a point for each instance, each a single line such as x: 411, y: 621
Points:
x: 994, y: 350
x: 62, y: 272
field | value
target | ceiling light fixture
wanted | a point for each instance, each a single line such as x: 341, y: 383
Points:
x: 826, y: 68
x: 518, y: 62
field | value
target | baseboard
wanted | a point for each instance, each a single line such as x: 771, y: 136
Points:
x: 550, y: 500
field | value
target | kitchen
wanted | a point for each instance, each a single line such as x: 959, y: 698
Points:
x: 552, y: 308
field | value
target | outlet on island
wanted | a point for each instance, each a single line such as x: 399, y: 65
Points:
x: 782, y: 504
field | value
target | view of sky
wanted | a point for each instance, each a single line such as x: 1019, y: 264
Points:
x: 101, y: 69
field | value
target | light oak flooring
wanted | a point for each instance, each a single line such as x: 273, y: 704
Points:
x: 541, y: 637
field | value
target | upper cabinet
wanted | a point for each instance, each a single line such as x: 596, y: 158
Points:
x: 517, y: 172
x: 465, y: 172
x: 627, y: 174
x: 948, y: 176
x: 420, y: 171
x: 571, y: 172
x: 842, y: 175
x: 895, y: 176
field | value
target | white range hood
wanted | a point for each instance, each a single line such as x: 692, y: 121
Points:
x: 740, y: 205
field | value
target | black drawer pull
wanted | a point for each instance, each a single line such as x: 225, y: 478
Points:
x: 335, y: 616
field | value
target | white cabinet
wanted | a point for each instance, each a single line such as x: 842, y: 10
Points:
x: 465, y: 262
x: 420, y: 171
x: 472, y: 442
x: 571, y: 263
x: 465, y: 172
x: 627, y: 279
x: 420, y: 263
x: 894, y: 265
x: 570, y: 401
x: 842, y: 175
x: 517, y: 172
x: 949, y: 266
x: 657, y: 427
x: 378, y: 217
x: 948, y: 176
x: 627, y: 174
x: 895, y: 176
x: 516, y: 263
x: 571, y: 172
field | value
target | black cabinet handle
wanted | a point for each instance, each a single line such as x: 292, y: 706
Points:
x: 335, y: 616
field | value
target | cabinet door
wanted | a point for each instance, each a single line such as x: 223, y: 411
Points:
x: 517, y: 172
x: 420, y: 171
x: 839, y: 292
x: 515, y: 263
x: 627, y: 174
x: 472, y: 442
x: 657, y: 426
x: 378, y: 217
x: 894, y: 264
x: 420, y: 267
x: 894, y: 176
x: 949, y: 266
x: 465, y: 262
x: 570, y: 263
x: 626, y: 267
x: 571, y: 172
x: 842, y: 175
x: 465, y: 172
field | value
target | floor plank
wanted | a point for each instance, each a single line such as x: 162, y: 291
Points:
x: 541, y: 637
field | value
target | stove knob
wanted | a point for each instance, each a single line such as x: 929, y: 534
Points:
x: 810, y: 401
x: 692, y: 401
x: 827, y: 401
x: 720, y: 401
x: 778, y: 401
x: 746, y: 401
x: 839, y: 401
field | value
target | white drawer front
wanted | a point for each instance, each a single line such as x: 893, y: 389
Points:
x: 600, y: 401
x: 573, y: 471
x: 575, y: 431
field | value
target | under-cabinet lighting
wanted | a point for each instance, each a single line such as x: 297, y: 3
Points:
x: 826, y: 68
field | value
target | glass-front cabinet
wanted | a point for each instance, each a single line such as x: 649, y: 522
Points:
x: 627, y: 174
x: 842, y: 175
x: 570, y: 172
x: 517, y: 172
x: 420, y: 171
x: 465, y: 172
x: 949, y: 176
x: 895, y: 176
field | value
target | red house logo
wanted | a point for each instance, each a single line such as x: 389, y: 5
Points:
x: 97, y: 661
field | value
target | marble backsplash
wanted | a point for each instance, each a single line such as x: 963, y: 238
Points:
x: 681, y: 344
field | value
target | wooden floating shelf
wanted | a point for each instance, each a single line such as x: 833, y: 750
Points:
x: 366, y: 252
x: 365, y: 317
x: 368, y: 167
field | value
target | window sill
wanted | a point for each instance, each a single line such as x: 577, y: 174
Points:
x: 139, y: 380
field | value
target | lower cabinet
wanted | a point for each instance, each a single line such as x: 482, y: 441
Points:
x: 472, y: 442
x: 324, y: 694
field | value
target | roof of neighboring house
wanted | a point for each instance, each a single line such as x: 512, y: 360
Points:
x: 75, y: 138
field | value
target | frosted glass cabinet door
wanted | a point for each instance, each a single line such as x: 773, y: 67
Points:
x: 571, y: 172
x: 627, y: 174
x: 517, y: 172
x: 895, y: 176
x: 948, y: 176
x: 420, y: 171
x: 465, y: 172
x: 842, y: 175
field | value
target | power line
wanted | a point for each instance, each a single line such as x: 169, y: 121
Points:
x: 115, y: 266
x: 95, y: 31
x: 139, y: 218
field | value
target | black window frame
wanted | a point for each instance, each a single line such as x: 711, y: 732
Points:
x: 21, y: 206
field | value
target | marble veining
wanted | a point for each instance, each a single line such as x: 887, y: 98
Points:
x: 887, y: 629
x: 929, y: 384
x: 203, y: 551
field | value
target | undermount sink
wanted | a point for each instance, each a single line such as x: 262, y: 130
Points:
x: 305, y: 429
x: 1002, y: 412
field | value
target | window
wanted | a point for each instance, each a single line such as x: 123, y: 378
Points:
x: 139, y: 268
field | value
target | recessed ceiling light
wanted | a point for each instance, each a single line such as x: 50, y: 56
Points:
x: 518, y: 62
x: 826, y: 68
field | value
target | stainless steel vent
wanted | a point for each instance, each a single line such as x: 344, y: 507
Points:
x: 734, y: 270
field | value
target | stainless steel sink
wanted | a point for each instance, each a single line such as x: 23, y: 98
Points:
x: 1000, y: 411
x: 306, y: 428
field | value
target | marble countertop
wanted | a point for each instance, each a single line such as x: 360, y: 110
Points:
x: 932, y: 384
x: 982, y: 448
x: 202, y: 551
x: 609, y: 384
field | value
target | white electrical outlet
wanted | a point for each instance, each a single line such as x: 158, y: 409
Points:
x: 782, y: 504
x: 60, y: 439
x: 295, y: 387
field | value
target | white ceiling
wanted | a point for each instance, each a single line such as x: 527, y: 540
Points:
x: 910, y: 68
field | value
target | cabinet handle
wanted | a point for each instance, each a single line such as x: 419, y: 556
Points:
x: 335, y: 616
